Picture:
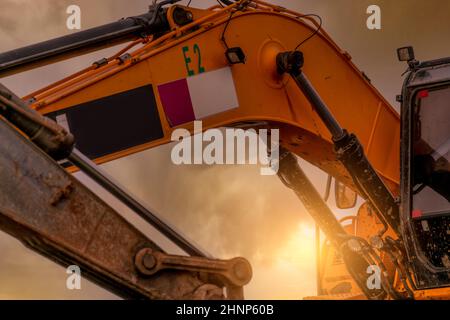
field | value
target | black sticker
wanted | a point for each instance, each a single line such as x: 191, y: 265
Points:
x: 114, y: 123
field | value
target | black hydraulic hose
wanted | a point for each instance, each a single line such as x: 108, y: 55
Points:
x: 22, y: 59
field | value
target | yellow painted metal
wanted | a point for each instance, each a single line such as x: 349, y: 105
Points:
x: 263, y: 95
x: 262, y: 31
x: 335, y: 277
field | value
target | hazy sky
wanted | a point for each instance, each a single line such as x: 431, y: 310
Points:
x: 228, y: 210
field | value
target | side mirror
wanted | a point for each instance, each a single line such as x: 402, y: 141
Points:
x: 345, y: 197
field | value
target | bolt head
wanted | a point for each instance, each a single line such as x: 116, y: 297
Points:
x: 145, y: 261
x: 242, y: 270
x: 376, y: 242
x: 354, y: 245
x: 149, y: 261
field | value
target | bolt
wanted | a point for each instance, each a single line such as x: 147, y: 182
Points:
x: 145, y: 261
x: 377, y: 242
x: 242, y: 270
x: 148, y: 261
x: 354, y: 245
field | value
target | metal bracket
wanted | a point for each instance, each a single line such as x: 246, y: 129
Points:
x: 234, y: 273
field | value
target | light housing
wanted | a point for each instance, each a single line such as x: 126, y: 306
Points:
x: 235, y: 55
x: 406, y: 54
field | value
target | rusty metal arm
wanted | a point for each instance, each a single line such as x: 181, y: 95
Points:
x: 59, y: 144
x: 54, y: 214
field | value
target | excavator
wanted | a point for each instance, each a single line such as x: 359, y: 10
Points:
x: 239, y: 64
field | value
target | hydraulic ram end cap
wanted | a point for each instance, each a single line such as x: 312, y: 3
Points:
x: 52, y: 138
x: 290, y: 62
x: 58, y: 143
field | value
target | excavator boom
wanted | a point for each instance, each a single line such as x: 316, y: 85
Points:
x: 233, y: 66
x: 263, y: 95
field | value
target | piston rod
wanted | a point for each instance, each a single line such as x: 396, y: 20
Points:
x: 348, y: 149
x: 83, y: 42
x: 292, y: 175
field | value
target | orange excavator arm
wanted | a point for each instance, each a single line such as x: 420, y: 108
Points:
x: 263, y: 96
x: 222, y: 66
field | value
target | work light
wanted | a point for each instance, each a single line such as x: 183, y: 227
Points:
x: 405, y: 54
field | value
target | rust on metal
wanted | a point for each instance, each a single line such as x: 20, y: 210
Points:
x: 54, y: 214
x: 234, y: 273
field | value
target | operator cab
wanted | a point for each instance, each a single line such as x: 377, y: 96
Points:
x: 425, y: 179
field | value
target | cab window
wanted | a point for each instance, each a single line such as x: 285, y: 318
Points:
x: 431, y: 177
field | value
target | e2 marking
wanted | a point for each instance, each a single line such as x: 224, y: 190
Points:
x: 188, y: 60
